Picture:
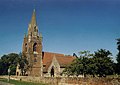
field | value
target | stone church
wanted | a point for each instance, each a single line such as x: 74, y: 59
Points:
x: 41, y: 63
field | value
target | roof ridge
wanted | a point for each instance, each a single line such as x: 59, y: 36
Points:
x: 54, y: 53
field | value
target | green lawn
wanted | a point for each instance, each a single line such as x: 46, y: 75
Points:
x: 15, y: 82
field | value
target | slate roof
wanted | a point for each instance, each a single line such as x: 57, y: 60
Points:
x: 62, y: 59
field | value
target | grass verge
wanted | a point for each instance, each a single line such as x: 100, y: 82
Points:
x: 16, y: 82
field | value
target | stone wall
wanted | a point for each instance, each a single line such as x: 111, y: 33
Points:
x: 70, y: 80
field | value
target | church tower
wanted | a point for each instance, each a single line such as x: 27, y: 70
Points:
x: 32, y: 48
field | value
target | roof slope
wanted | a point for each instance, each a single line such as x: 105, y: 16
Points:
x: 61, y: 58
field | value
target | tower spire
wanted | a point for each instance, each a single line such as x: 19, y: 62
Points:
x: 32, y: 48
x: 33, y: 20
x: 33, y: 28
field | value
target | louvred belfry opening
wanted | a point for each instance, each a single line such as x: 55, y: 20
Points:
x: 35, y: 47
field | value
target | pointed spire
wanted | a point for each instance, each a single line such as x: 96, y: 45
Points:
x: 33, y: 20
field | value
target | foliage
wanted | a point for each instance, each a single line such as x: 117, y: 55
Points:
x: 99, y: 63
x: 23, y: 64
x: 80, y: 65
x: 7, y: 61
x: 92, y: 67
x: 118, y: 57
x: 12, y: 60
x: 103, y: 62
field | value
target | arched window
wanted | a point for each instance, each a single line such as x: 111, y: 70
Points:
x: 25, y: 47
x: 35, y: 29
x: 35, y: 47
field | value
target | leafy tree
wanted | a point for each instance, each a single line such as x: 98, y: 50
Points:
x: 117, y: 66
x: 118, y: 56
x: 98, y: 64
x: 23, y: 63
x: 103, y: 62
x: 1, y: 67
x: 7, y: 61
x: 80, y: 65
x: 11, y: 60
x: 92, y: 67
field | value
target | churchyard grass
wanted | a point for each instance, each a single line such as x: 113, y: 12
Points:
x: 17, y: 82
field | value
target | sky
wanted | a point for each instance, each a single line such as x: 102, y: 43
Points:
x: 67, y: 26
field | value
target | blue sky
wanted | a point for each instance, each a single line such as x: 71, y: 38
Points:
x: 67, y: 26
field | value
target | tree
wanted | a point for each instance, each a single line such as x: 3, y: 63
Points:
x: 103, y: 62
x: 117, y: 69
x: 118, y: 55
x: 92, y: 67
x: 1, y: 67
x: 80, y: 65
x: 85, y: 63
x: 7, y: 61
x: 99, y: 63
x: 23, y: 64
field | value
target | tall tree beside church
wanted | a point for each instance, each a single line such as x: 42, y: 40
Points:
x: 99, y: 63
x: 118, y: 57
x: 23, y: 63
x: 6, y: 61
x: 81, y: 65
x: 103, y: 62
x: 85, y: 57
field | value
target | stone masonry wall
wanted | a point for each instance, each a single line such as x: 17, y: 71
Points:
x: 70, y: 81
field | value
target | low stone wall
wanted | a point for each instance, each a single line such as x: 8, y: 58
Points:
x: 70, y: 80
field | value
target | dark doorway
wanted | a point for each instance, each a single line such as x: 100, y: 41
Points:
x: 52, y: 71
x: 17, y: 73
